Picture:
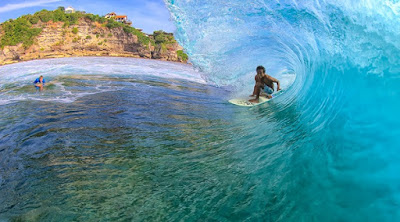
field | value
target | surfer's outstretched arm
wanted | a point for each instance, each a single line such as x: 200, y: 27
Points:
x: 278, y: 85
x: 274, y: 80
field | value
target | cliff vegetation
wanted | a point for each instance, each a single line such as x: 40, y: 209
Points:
x: 49, y: 34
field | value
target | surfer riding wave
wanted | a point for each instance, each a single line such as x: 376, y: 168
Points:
x: 264, y: 82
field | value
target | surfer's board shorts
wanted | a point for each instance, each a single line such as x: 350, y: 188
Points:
x: 268, y: 90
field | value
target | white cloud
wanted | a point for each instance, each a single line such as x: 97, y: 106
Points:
x: 27, y: 4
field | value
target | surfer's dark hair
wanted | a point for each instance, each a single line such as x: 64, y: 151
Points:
x: 259, y: 68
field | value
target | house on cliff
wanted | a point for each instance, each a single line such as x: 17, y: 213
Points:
x: 118, y: 18
x: 69, y: 10
x: 110, y: 15
x: 121, y: 18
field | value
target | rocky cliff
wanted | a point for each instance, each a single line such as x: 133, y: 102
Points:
x: 85, y: 37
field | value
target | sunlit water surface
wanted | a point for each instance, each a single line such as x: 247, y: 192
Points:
x: 114, y: 139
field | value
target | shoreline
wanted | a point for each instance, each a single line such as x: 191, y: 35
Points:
x: 91, y: 56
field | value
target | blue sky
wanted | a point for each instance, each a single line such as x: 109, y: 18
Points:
x: 150, y: 15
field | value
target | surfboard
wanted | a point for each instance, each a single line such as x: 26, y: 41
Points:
x: 245, y: 101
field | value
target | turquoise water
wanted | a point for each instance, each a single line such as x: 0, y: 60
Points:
x: 127, y: 139
x: 136, y: 140
x: 333, y: 151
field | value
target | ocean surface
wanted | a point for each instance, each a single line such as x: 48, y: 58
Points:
x: 120, y: 139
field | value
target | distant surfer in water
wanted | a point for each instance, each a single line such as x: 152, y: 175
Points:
x: 39, y: 83
x: 264, y: 82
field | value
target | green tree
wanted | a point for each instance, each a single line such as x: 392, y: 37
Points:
x: 18, y: 31
x: 44, y: 15
x: 59, y: 16
x: 162, y: 37
x: 73, y: 17
x: 183, y: 56
x: 34, y: 19
x: 111, y: 24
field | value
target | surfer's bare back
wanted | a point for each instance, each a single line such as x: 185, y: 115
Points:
x: 265, y: 82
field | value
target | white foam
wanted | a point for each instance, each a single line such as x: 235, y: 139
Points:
x: 23, y: 74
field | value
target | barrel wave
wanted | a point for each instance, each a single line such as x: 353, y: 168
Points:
x: 123, y: 139
x: 337, y: 124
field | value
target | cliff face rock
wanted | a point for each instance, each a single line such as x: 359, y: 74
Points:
x: 168, y: 54
x: 86, y: 38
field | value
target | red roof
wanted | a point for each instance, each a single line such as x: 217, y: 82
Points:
x: 120, y: 16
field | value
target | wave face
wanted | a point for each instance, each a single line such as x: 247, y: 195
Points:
x: 339, y: 119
